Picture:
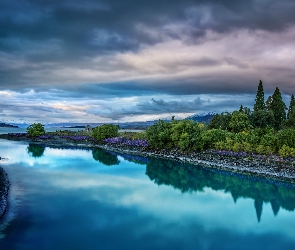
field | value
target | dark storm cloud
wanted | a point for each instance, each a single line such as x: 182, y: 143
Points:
x: 86, y: 27
x: 47, y: 35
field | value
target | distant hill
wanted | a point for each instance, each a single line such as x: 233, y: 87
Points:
x: 203, y: 117
x: 5, y: 125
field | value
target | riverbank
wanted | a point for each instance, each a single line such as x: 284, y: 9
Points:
x: 271, y: 167
x: 4, y: 186
x: 262, y: 167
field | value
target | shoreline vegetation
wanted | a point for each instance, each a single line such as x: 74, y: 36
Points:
x: 251, y: 164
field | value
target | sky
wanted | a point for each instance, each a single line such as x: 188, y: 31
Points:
x: 134, y: 60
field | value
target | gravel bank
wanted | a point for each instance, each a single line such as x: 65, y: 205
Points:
x: 4, y: 186
x: 263, y: 167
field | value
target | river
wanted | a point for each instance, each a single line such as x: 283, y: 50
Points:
x: 93, y: 199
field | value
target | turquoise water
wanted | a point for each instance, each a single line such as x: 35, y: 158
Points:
x: 92, y: 199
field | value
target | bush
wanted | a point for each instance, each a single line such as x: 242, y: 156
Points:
x: 133, y: 135
x: 105, y: 131
x: 239, y: 122
x: 264, y: 150
x: 228, y: 144
x: 286, y: 151
x: 270, y: 140
x: 286, y: 137
x: 186, y: 134
x: 159, y: 135
x: 211, y: 137
x: 35, y: 130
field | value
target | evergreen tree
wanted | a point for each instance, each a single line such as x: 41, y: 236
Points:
x: 261, y: 117
x: 241, y: 108
x: 220, y: 121
x: 267, y: 103
x: 291, y: 113
x: 292, y: 106
x: 278, y: 107
x: 259, y: 101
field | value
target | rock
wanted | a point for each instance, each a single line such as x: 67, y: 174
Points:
x: 4, y: 186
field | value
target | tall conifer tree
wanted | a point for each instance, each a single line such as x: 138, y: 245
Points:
x: 259, y: 101
x: 291, y: 106
x: 261, y: 117
x: 291, y: 113
x: 268, y: 102
x: 278, y: 107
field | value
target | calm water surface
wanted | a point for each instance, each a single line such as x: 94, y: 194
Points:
x: 92, y: 199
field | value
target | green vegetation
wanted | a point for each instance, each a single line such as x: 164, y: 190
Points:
x: 278, y: 108
x: 291, y: 113
x: 105, y: 131
x: 267, y: 130
x: 36, y: 129
x: 259, y: 101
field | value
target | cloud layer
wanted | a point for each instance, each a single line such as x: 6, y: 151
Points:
x: 84, y: 53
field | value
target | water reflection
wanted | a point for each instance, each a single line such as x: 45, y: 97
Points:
x: 105, y: 157
x: 133, y: 158
x: 35, y: 150
x: 189, y: 178
x: 67, y: 200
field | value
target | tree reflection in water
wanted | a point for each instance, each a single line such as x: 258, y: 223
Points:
x: 105, y: 157
x: 190, y: 178
x: 35, y: 150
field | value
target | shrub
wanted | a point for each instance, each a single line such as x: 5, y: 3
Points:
x: 238, y: 147
x: 270, y: 140
x: 264, y: 150
x: 229, y: 143
x: 239, y: 122
x: 159, y: 135
x: 186, y: 134
x: 286, y: 137
x: 105, y: 131
x: 286, y: 151
x: 35, y: 130
x: 212, y: 136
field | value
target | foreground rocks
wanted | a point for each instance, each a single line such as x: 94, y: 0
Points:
x: 4, y: 186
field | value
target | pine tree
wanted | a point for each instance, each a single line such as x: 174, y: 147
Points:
x: 260, y: 118
x: 292, y: 106
x: 291, y: 113
x: 241, y: 108
x: 268, y: 102
x: 259, y: 101
x: 278, y: 107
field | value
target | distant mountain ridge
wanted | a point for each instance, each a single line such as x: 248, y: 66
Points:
x: 5, y: 125
x: 202, y: 117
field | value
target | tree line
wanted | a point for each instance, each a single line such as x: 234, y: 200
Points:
x: 268, y: 129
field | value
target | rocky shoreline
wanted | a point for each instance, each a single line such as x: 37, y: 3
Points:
x: 262, y: 166
x: 255, y: 168
x: 4, y: 187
